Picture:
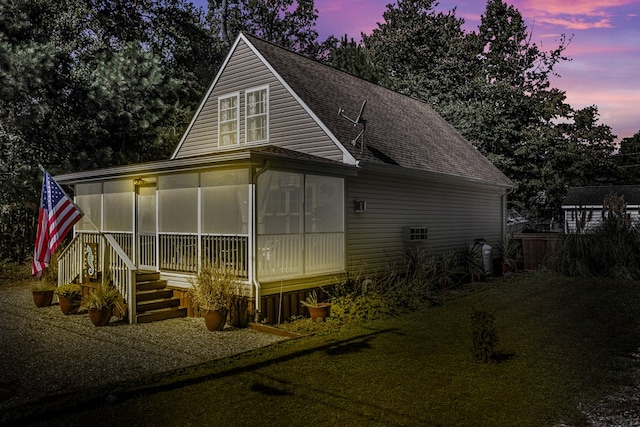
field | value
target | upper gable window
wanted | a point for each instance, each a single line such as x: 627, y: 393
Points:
x: 228, y: 129
x: 257, y: 109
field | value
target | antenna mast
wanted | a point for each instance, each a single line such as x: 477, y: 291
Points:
x: 359, y: 120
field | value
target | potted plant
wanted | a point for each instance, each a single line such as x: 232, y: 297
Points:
x: 212, y: 291
x: 510, y: 253
x: 42, y: 292
x: 42, y: 289
x: 317, y: 310
x: 100, y: 303
x: 69, y: 296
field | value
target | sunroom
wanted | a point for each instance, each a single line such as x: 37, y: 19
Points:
x: 267, y: 219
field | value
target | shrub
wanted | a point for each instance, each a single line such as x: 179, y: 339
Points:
x: 611, y: 250
x: 484, y: 335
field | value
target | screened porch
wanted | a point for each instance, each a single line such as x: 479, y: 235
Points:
x: 174, y: 223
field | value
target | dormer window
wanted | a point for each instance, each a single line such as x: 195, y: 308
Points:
x: 257, y: 109
x: 228, y: 116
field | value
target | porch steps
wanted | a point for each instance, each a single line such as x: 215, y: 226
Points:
x: 154, y: 301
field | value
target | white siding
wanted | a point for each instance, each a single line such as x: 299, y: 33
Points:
x: 289, y: 124
x: 454, y: 212
x: 591, y: 216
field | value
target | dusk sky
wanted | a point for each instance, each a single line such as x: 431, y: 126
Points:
x: 605, y: 49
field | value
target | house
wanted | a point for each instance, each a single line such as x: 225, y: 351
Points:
x: 583, y: 206
x: 291, y: 173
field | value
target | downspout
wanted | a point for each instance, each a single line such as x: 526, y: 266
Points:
x: 254, y: 238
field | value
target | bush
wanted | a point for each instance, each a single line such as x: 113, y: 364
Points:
x: 484, y: 335
x: 611, y: 250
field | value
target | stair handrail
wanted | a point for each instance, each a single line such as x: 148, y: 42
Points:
x: 124, y: 281
x: 68, y: 269
x: 115, y: 265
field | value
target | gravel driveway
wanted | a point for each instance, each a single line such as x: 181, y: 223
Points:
x: 44, y: 353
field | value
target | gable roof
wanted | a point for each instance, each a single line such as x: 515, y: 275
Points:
x: 594, y: 195
x: 400, y: 130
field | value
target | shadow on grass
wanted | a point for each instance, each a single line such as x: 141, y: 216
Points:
x: 501, y: 357
x: 88, y: 399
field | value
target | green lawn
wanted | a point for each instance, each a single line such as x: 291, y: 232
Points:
x: 562, y: 341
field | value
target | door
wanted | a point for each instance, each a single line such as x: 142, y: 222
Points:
x: 146, y: 226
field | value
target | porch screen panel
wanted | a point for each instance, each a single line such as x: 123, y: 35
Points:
x: 118, y: 206
x: 89, y: 199
x: 225, y: 202
x: 280, y: 225
x: 324, y: 224
x: 178, y: 203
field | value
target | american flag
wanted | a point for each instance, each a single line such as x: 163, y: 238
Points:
x: 57, y: 216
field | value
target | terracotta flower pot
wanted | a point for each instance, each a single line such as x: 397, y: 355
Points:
x: 100, y: 316
x: 69, y: 305
x: 215, y: 319
x: 42, y: 298
x: 321, y: 311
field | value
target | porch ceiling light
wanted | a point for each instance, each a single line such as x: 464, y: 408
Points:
x: 139, y: 181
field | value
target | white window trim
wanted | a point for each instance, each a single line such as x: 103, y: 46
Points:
x: 246, y: 114
x: 220, y: 99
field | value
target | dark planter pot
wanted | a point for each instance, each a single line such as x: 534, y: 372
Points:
x: 69, y: 305
x: 100, y: 316
x: 42, y: 298
x: 505, y: 268
x: 322, y: 311
x: 215, y: 319
x: 239, y: 313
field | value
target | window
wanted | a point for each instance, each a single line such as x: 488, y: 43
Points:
x: 257, y: 107
x: 228, y: 120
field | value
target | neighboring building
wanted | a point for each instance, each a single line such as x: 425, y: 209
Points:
x: 583, y: 206
x: 286, y: 176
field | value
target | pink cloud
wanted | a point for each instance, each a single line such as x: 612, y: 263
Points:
x: 577, y: 24
x: 570, y: 7
x: 572, y: 14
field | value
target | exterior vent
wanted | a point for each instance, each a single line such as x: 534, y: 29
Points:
x: 415, y: 233
x: 359, y: 205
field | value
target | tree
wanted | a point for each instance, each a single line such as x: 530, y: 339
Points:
x: 628, y: 159
x: 87, y: 84
x: 283, y: 22
x: 422, y: 53
x: 352, y: 57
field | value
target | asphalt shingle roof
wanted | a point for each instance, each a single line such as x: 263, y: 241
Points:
x: 594, y: 195
x: 400, y: 130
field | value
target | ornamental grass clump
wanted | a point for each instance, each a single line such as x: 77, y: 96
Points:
x: 214, y: 288
x: 100, y: 297
x: 484, y: 336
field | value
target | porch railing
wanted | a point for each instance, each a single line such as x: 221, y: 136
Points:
x: 113, y: 264
x: 183, y: 252
x: 283, y: 256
